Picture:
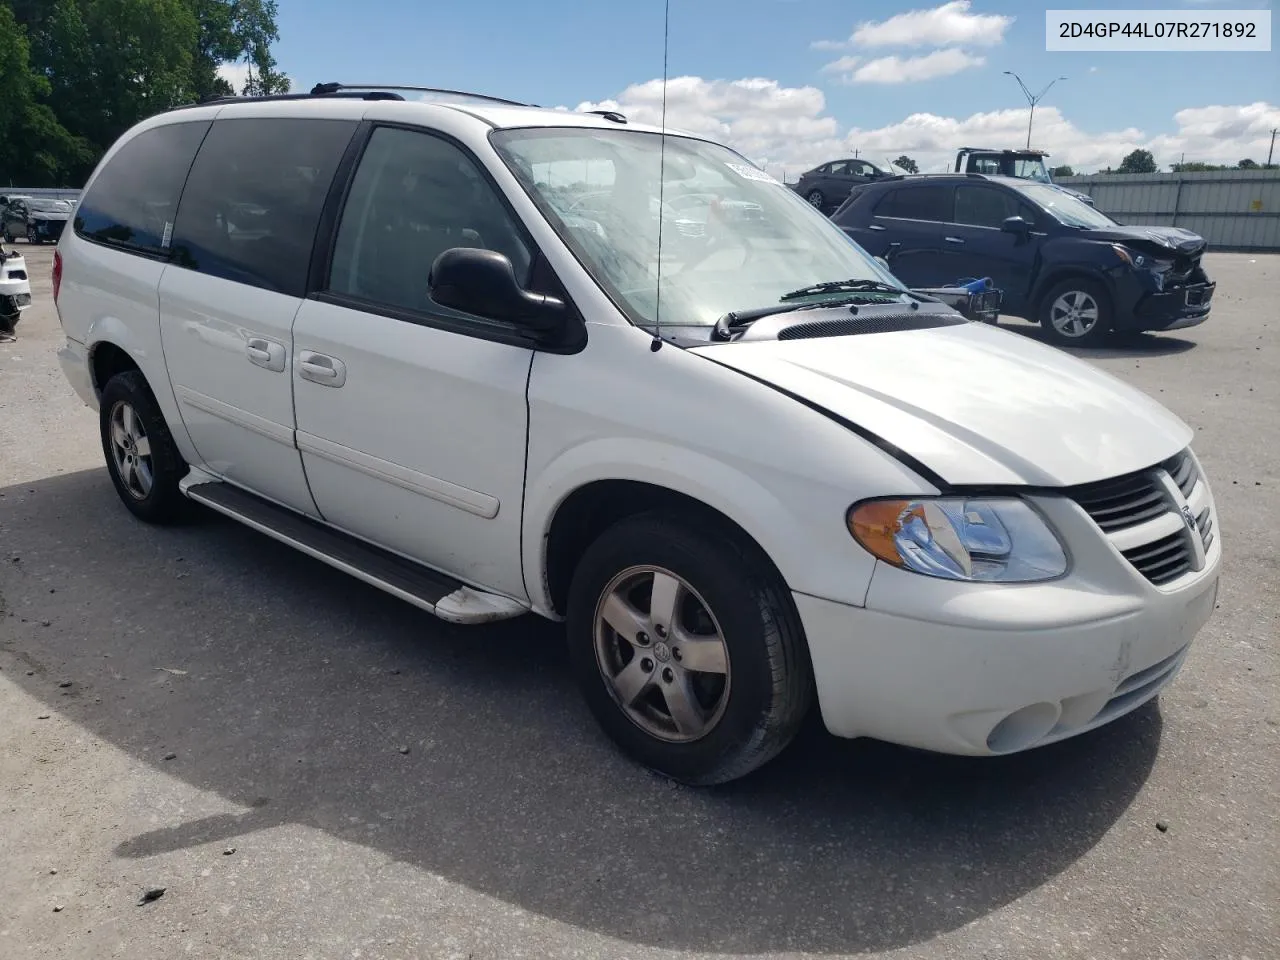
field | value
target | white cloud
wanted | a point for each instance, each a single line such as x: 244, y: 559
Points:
x: 787, y: 129
x: 946, y: 25
x: 235, y: 74
x: 939, y: 63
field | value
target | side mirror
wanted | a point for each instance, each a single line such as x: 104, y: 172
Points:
x: 884, y: 263
x: 483, y: 282
x: 1016, y: 225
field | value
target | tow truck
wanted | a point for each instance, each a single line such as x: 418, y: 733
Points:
x: 1024, y: 164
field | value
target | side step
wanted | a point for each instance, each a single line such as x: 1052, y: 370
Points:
x: 434, y: 592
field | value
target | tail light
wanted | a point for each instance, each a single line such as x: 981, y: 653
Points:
x: 57, y: 275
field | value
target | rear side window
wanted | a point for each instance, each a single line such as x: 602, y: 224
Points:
x: 917, y: 202
x: 135, y: 196
x: 253, y: 200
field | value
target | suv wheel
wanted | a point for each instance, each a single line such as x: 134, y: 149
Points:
x: 687, y: 648
x: 143, y: 460
x: 815, y: 199
x: 7, y: 235
x: 1076, y: 313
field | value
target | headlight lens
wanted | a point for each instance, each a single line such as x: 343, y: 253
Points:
x: 1131, y: 257
x: 988, y: 540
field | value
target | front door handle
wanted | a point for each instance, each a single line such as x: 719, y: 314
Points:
x: 265, y: 353
x: 955, y: 240
x: 319, y: 368
x: 875, y: 226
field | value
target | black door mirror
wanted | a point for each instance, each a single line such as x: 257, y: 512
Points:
x: 1016, y: 225
x: 483, y: 282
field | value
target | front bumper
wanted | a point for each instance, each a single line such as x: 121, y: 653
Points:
x: 1173, y: 309
x: 985, y: 669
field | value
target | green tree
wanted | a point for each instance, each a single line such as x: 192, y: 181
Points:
x: 1196, y: 166
x: 1247, y: 164
x: 34, y: 147
x: 254, y: 30
x: 907, y: 164
x: 1139, y: 161
x: 1062, y: 171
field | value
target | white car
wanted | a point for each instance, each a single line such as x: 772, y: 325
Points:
x: 756, y: 475
x: 15, y: 290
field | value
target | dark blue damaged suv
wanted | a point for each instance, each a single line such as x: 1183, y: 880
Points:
x: 1061, y: 263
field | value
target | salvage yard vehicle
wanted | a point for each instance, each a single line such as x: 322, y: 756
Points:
x: 39, y: 219
x: 754, y: 474
x: 1078, y: 273
x: 15, y: 289
x: 1024, y: 164
x: 826, y: 185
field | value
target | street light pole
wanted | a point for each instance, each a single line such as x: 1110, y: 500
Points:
x: 1032, y: 100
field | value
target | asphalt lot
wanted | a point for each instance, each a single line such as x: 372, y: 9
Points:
x: 204, y: 710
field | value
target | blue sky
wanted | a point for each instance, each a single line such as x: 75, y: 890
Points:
x: 557, y: 53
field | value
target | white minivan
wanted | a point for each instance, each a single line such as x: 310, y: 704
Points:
x: 496, y: 359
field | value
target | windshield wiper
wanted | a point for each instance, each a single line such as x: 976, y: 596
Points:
x: 840, y: 286
x: 744, y: 318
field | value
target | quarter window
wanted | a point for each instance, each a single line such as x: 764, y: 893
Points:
x: 254, y: 197
x: 132, y: 201
x: 414, y: 196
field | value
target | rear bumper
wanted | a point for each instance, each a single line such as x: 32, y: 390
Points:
x: 74, y: 360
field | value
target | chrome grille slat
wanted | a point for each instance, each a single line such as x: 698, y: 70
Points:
x: 1124, y: 503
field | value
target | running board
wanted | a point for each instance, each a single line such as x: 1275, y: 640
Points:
x: 436, y: 593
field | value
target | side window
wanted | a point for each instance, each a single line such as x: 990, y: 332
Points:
x: 253, y: 200
x: 984, y: 206
x: 917, y: 202
x: 414, y: 196
x: 133, y: 201
x: 839, y: 169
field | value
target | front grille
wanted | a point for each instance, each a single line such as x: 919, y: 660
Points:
x: 1166, y: 559
x: 1135, y: 498
x: 1124, y: 503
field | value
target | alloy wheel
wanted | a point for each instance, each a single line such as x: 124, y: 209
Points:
x: 662, y: 654
x: 1074, y: 314
x: 131, y: 449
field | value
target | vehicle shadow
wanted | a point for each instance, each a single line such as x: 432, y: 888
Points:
x: 299, y: 686
x: 1133, y: 345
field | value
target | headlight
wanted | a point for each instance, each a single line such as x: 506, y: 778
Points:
x: 989, y: 540
x: 1130, y: 257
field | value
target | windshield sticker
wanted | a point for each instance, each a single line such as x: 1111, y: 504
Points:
x: 748, y: 172
x: 168, y: 234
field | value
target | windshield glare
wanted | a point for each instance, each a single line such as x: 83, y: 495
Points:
x: 60, y: 206
x: 732, y: 237
x: 1066, y: 208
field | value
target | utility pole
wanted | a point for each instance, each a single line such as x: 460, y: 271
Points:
x: 1032, y: 100
x: 1271, y: 149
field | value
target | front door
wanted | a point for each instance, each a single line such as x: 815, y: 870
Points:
x: 241, y: 248
x: 412, y: 418
x: 987, y: 251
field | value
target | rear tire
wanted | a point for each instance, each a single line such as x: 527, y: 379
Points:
x: 1076, y: 312
x: 714, y: 687
x: 143, y: 460
x: 815, y: 199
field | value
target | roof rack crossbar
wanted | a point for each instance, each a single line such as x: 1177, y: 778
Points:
x: 329, y: 89
x: 366, y: 95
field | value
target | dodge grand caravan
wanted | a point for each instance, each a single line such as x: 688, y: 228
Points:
x: 750, y: 473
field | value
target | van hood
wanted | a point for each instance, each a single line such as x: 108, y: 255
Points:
x: 1154, y: 240
x: 973, y: 403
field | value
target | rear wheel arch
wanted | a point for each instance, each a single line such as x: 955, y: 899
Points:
x: 106, y: 359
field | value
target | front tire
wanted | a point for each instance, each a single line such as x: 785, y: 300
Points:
x: 1077, y: 313
x: 143, y: 460
x: 687, y: 648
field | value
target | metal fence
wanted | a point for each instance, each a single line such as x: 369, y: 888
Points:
x: 1231, y: 209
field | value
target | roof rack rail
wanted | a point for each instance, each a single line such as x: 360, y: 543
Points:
x: 367, y: 95
x: 330, y: 89
x: 613, y: 115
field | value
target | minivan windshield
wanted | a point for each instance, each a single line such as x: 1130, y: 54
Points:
x: 1066, y: 208
x: 732, y: 237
